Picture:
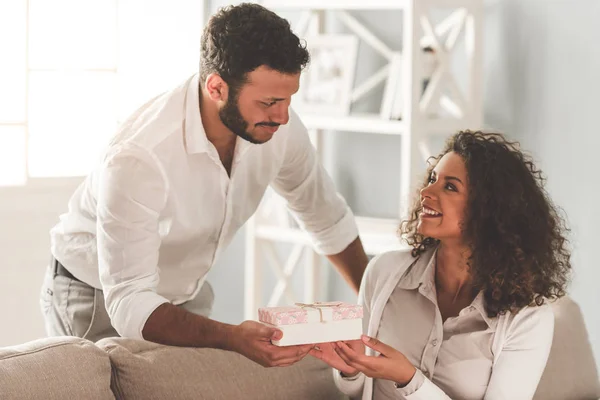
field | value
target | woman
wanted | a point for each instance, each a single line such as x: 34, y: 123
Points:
x: 464, y: 315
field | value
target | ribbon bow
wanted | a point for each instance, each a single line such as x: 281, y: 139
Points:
x: 319, y: 305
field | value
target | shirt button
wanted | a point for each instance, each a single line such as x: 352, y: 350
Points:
x: 434, y: 342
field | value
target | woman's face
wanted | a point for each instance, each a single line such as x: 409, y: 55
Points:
x: 444, y: 200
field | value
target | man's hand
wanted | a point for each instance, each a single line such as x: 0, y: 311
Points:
x: 253, y: 340
x: 171, y: 325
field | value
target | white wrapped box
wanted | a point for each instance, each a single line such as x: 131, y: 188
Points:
x: 314, y: 323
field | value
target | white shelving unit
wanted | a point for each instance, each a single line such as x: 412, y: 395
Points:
x: 355, y: 123
x: 463, y: 110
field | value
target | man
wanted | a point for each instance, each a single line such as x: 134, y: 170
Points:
x: 181, y: 176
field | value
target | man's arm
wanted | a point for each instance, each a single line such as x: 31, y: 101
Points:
x: 321, y: 211
x: 131, y: 196
x: 174, y: 326
x: 351, y: 263
x: 171, y: 325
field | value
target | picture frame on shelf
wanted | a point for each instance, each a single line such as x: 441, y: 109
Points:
x: 393, y: 94
x: 392, y: 100
x: 326, y: 83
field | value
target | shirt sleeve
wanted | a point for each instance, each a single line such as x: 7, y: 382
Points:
x: 311, y: 195
x: 131, y: 193
x: 420, y: 387
x: 351, y: 387
x: 520, y: 364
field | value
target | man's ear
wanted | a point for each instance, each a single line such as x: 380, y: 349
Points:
x: 216, y: 87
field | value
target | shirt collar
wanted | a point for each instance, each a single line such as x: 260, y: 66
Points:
x: 478, y: 305
x: 422, y: 272
x: 195, y: 135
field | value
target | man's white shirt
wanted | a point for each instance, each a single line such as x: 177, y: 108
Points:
x: 149, y: 222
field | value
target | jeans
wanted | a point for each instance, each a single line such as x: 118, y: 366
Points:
x: 74, y: 308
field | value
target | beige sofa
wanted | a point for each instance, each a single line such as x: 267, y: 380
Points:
x: 117, y: 368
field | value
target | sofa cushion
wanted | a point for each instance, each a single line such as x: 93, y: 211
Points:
x: 145, y: 370
x: 55, y: 368
x: 571, y: 370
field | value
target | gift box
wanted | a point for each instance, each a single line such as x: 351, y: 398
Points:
x: 318, y: 322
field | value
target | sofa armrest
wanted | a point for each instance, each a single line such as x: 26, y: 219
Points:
x: 55, y: 368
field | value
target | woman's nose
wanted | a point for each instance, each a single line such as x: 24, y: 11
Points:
x: 424, y: 192
x: 427, y: 192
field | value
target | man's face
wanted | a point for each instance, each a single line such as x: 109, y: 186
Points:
x: 255, y: 111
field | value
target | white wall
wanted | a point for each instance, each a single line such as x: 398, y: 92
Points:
x: 26, y: 216
x: 543, y: 87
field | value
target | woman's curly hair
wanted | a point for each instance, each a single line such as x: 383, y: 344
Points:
x: 519, y: 252
x: 238, y: 39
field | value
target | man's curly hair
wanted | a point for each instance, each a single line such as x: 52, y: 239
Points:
x: 239, y: 39
x: 519, y: 252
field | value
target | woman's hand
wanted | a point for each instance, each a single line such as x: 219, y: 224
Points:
x: 327, y: 353
x: 390, y: 364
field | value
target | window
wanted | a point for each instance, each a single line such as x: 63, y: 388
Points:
x: 72, y: 70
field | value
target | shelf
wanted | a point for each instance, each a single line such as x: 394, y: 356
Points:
x: 336, y: 4
x: 366, y: 123
x: 371, y: 123
x: 359, y: 4
x: 377, y: 234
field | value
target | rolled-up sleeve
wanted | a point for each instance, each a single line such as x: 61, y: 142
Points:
x: 311, y: 195
x: 131, y: 193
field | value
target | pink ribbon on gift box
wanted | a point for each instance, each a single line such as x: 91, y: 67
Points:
x: 319, y: 306
x: 302, y: 313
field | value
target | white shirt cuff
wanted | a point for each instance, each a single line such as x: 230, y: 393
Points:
x: 421, y: 388
x: 133, y: 311
x: 352, y: 386
x: 415, y: 384
x: 336, y: 238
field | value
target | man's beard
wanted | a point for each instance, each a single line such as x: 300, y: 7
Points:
x: 232, y: 118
